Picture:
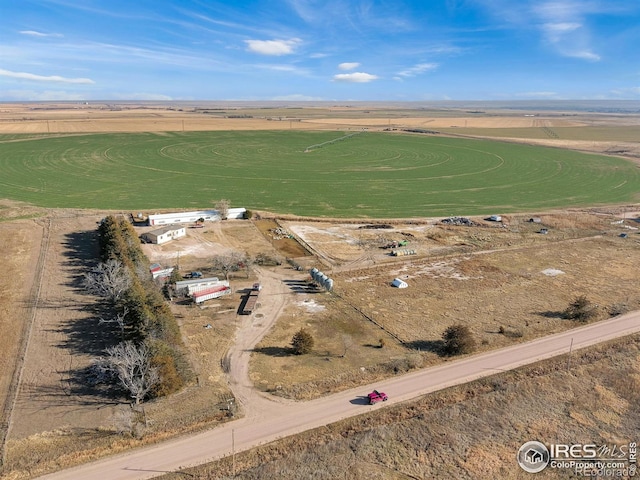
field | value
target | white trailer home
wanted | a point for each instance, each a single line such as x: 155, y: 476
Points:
x: 193, y: 289
x: 183, y: 217
x: 193, y: 217
x: 164, y: 234
x: 187, y: 287
x: 211, y: 293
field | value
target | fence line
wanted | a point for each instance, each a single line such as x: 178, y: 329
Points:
x: 16, y: 378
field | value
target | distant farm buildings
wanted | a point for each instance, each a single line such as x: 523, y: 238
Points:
x: 164, y: 234
x: 193, y: 217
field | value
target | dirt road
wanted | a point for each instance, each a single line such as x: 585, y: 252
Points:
x: 272, y: 299
x: 285, y: 420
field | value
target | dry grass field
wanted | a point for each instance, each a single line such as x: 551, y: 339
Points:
x: 467, y: 432
x: 508, y: 279
x: 487, y: 276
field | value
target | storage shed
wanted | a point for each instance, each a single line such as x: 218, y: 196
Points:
x: 398, y: 283
x: 236, y: 213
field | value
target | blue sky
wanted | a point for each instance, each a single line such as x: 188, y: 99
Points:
x: 319, y: 50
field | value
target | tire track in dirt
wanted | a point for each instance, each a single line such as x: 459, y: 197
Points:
x: 27, y: 328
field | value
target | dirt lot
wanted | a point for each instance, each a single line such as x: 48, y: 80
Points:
x: 488, y: 276
x: 494, y: 278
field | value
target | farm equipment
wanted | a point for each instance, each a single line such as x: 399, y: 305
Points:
x: 396, y: 244
x: 402, y: 252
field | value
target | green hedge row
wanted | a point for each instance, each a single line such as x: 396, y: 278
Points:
x: 149, y: 319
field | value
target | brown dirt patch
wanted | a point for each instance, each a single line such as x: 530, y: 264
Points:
x: 21, y: 242
x: 281, y: 239
x: 486, y: 277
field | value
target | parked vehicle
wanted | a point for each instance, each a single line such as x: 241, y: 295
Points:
x: 396, y: 244
x: 193, y: 275
x: 376, y: 396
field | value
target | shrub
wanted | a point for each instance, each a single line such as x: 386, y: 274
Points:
x: 619, y: 308
x: 302, y: 342
x: 174, y: 372
x: 458, y: 340
x: 581, y: 309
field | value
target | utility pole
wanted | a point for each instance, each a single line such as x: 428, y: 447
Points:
x: 569, y: 358
x: 233, y: 451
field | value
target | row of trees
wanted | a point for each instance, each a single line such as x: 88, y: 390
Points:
x: 146, y: 359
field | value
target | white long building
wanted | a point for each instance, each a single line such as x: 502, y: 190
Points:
x: 194, y: 216
x: 183, y: 217
x: 188, y: 287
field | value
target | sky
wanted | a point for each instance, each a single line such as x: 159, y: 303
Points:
x: 319, y: 50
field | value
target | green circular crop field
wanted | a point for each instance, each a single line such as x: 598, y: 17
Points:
x: 333, y: 174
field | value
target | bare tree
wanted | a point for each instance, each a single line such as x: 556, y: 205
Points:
x: 231, y: 262
x: 132, y: 364
x: 108, y: 279
x: 222, y: 206
x: 118, y: 319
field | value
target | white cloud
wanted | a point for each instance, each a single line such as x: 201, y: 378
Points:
x: 626, y: 91
x: 33, y: 33
x: 563, y: 27
x: 42, y: 78
x: 562, y: 24
x: 418, y: 69
x: 584, y: 54
x: 45, y: 96
x: 559, y: 28
x: 348, y: 65
x: 296, y: 97
x: 355, y: 77
x: 537, y: 94
x: 273, y: 47
x: 142, y: 96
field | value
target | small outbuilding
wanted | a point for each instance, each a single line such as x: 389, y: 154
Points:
x: 399, y: 283
x: 164, y: 234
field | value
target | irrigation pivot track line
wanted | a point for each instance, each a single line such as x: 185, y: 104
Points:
x: 380, y: 175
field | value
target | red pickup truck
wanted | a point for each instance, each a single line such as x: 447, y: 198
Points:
x: 376, y: 396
